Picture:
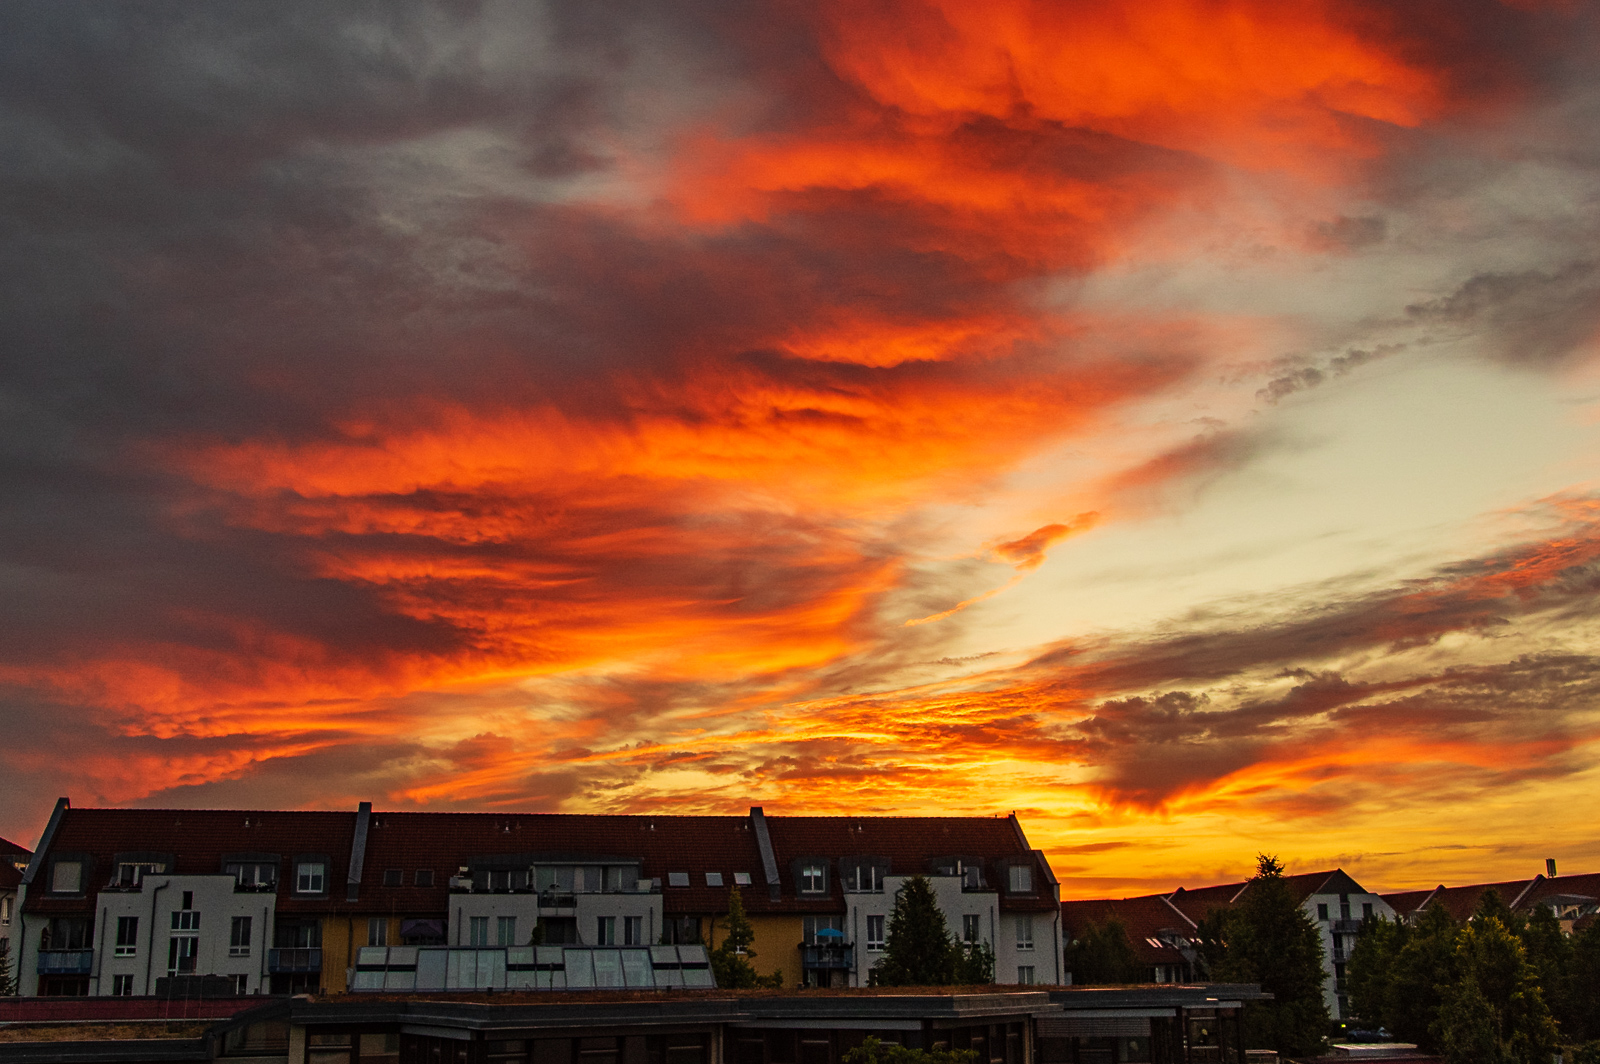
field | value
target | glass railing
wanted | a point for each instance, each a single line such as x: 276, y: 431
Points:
x: 299, y: 959
x: 66, y: 961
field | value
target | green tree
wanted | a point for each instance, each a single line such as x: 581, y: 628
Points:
x: 730, y: 961
x: 1269, y: 939
x: 1425, y: 965
x: 1550, y: 953
x: 919, y: 950
x: 1583, y: 974
x: 8, y: 985
x: 975, y: 964
x: 1371, y: 965
x: 874, y: 1051
x: 1494, y: 1012
x: 1103, y: 956
x: 1492, y: 905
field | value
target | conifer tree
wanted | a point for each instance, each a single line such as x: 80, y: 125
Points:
x: 730, y: 961
x: 919, y: 950
x: 1269, y: 939
x: 1426, y: 963
x: 1371, y: 965
x: 8, y: 985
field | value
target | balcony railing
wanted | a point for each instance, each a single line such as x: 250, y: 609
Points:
x: 1344, y: 927
x: 1339, y: 954
x: 294, y: 960
x: 66, y: 961
x: 839, y: 956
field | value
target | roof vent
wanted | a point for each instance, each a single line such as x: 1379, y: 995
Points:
x: 1550, y: 867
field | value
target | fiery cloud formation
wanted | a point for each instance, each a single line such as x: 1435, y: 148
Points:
x: 1173, y: 420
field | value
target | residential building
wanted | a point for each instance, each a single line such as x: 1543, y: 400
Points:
x: 1160, y: 926
x: 1572, y: 899
x: 117, y: 900
x: 13, y: 859
x: 1161, y: 934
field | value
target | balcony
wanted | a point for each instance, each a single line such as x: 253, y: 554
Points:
x: 66, y: 961
x: 1344, y: 927
x: 255, y: 888
x: 283, y: 961
x: 832, y: 956
x: 1340, y: 954
x: 552, y: 900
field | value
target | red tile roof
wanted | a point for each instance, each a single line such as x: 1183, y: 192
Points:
x: 1459, y: 902
x: 1146, y: 918
x: 1200, y: 901
x: 7, y: 847
x: 446, y: 841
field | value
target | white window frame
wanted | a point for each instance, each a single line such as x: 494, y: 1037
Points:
x: 477, y: 930
x: 633, y: 930
x: 1020, y: 878
x: 122, y: 986
x: 377, y: 930
x: 605, y: 930
x: 311, y: 877
x: 972, y: 927
x: 186, y: 920
x: 1025, y: 975
x: 235, y: 947
x: 127, y: 949
x: 814, y: 878
x: 505, y: 930
x: 63, y: 881
x: 1024, y: 931
x: 877, y: 933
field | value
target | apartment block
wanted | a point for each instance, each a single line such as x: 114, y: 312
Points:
x: 119, y: 902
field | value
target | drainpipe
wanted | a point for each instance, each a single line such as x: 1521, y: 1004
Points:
x: 100, y: 950
x: 150, y: 957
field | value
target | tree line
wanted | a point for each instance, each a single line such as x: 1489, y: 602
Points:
x: 1502, y: 988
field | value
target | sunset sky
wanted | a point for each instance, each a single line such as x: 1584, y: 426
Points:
x: 1177, y: 421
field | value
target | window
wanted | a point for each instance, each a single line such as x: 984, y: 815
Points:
x: 181, y: 953
x: 393, y: 877
x: 875, y: 936
x: 822, y: 930
x: 605, y: 932
x: 122, y: 986
x: 478, y: 931
x: 239, y: 937
x: 186, y: 920
x: 502, y: 880
x: 677, y: 879
x: 1322, y: 911
x: 241, y: 984
x: 1021, y: 879
x: 297, y: 934
x: 813, y: 878
x: 67, y: 932
x: 633, y: 930
x: 5, y: 909
x: 127, y: 936
x: 971, y: 927
x: 1025, y: 974
x: 377, y: 930
x: 259, y: 876
x: 66, y: 877
x: 424, y: 877
x: 680, y: 930
x: 1025, y: 931
x: 713, y: 879
x: 310, y: 877
x: 741, y: 879
x: 1366, y: 909
x: 132, y: 873
x: 505, y: 931
x: 188, y: 900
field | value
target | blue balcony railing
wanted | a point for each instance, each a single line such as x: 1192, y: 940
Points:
x: 839, y: 956
x: 66, y: 961
x: 280, y: 961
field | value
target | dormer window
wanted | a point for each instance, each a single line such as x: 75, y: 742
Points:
x: 66, y: 877
x: 1020, y: 879
x: 310, y: 877
x: 813, y: 877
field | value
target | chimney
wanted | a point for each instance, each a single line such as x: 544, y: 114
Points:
x: 1550, y: 868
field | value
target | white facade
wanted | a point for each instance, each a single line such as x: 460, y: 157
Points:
x: 1026, y: 945
x: 508, y: 919
x: 144, y: 934
x: 1338, y: 918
